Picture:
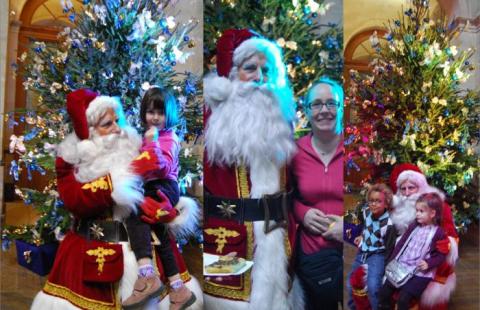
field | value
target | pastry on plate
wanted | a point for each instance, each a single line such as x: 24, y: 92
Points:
x: 226, y: 264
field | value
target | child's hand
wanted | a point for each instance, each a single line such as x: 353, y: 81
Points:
x: 357, y: 240
x: 422, y: 265
x: 151, y: 134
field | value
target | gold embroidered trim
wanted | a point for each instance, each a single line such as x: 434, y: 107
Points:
x: 236, y: 292
x: 100, y: 253
x: 222, y: 234
x: 100, y: 183
x: 78, y: 300
x: 145, y: 154
x: 288, y: 247
x: 361, y: 293
x: 242, y: 182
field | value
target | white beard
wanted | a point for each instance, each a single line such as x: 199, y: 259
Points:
x: 248, y: 129
x: 111, y: 155
x: 108, y: 154
x: 403, y: 212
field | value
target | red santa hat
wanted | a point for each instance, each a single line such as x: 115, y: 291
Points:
x: 86, y: 108
x: 414, y: 171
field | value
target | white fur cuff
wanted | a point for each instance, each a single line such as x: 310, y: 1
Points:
x: 216, y: 89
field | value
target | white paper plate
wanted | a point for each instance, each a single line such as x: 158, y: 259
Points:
x: 210, y: 258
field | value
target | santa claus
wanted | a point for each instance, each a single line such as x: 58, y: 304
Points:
x: 248, y: 141
x: 99, y: 177
x: 408, y: 182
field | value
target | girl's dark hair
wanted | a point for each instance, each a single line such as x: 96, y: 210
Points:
x: 163, y: 100
x: 433, y: 202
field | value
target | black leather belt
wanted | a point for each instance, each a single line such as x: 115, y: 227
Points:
x: 107, y: 231
x: 268, y: 208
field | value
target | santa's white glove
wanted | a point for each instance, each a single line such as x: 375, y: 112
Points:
x: 335, y: 230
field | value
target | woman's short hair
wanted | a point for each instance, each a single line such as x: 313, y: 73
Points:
x: 338, y: 95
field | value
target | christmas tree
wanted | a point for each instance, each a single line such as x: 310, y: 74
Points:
x: 117, y: 48
x: 411, y: 108
x: 311, y: 49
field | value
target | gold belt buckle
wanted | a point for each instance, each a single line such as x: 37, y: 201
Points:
x: 280, y: 224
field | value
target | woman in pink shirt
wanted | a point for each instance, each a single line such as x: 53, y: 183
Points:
x: 317, y: 174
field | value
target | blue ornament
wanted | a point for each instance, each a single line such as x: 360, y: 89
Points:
x: 297, y: 59
x: 32, y: 134
x: 68, y: 79
x: 350, y: 139
x: 186, y: 38
x: 88, y: 42
x: 14, y: 170
x: 306, y: 10
x: 58, y: 203
x: 409, y: 12
x: 314, y: 15
x: 71, y: 17
x: 11, y: 121
x: 112, y: 4
x: 38, y: 49
x: 5, y: 243
x: 190, y: 88
x: 52, y: 67
x: 22, y: 119
x: 397, y: 23
x: 467, y: 63
x: 389, y: 37
x: 163, y: 23
x: 309, y: 22
x: 85, y: 2
x: 408, y: 38
x: 28, y: 199
x: 75, y: 44
x: 413, y: 54
x: 131, y: 85
x: 446, y: 113
x: 173, y: 63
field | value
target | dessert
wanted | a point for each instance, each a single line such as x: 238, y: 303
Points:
x: 226, y: 264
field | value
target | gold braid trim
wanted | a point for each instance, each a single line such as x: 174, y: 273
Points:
x: 81, y: 301
x: 242, y: 182
x: 236, y: 292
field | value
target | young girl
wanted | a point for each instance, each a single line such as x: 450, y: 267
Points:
x: 158, y: 113
x: 375, y: 243
x: 420, y: 253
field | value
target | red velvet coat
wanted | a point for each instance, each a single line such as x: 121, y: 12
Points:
x: 86, y: 200
x: 229, y: 182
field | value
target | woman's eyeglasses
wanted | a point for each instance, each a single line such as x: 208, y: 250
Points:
x: 329, y: 104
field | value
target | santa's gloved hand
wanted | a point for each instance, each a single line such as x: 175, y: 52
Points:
x: 335, y: 229
x: 145, y: 163
x: 157, y: 211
